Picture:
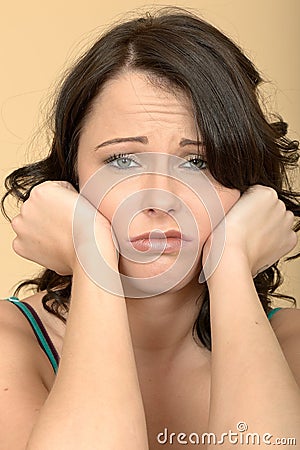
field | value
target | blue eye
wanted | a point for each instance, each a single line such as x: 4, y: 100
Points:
x: 196, y: 163
x: 127, y: 161
x: 122, y: 161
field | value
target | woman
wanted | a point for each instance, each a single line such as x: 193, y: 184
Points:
x: 162, y: 111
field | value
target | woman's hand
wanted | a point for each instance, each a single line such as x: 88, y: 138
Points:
x: 259, y: 227
x: 44, y: 226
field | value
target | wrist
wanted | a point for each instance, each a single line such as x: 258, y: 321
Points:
x: 95, y: 246
x: 91, y: 254
x: 107, y: 279
x: 232, y: 263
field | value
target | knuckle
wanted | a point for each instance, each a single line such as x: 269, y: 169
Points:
x: 271, y: 192
x: 47, y: 183
x: 37, y: 189
x: 290, y: 215
x: 14, y: 222
x: 267, y: 191
x: 34, y: 190
x: 17, y: 246
x: 281, y: 206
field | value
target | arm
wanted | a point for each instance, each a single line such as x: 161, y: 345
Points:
x: 251, y: 379
x: 95, y: 401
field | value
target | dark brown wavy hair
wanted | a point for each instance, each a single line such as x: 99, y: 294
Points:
x: 178, y: 49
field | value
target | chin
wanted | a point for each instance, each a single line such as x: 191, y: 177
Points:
x: 153, y: 279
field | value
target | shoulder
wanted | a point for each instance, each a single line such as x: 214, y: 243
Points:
x: 23, y: 391
x: 18, y: 335
x: 286, y: 323
x: 11, y: 319
x: 286, y: 326
x: 21, y: 335
x: 53, y: 325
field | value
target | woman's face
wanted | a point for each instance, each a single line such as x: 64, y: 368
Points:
x: 155, y: 187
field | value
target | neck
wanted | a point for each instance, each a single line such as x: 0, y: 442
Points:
x: 161, y: 326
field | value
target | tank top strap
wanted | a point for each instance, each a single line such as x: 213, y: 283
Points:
x: 272, y: 312
x: 39, y: 330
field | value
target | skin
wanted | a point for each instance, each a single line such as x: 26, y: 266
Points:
x: 132, y: 106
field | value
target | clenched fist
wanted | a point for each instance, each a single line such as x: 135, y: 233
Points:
x: 259, y: 227
x: 44, y: 226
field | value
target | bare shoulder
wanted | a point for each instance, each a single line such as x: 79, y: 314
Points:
x: 54, y: 326
x: 286, y: 326
x: 17, y: 334
x: 14, y: 321
x: 286, y: 323
x: 22, y: 388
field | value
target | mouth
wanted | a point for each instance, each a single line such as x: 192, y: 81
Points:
x: 163, y: 235
x: 170, y: 241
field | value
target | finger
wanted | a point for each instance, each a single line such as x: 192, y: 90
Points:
x: 281, y: 206
x: 14, y: 222
x: 16, y: 246
x: 290, y: 217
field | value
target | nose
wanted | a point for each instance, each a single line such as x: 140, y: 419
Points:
x: 158, y: 196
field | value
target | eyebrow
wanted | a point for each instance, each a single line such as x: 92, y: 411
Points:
x: 143, y: 140
x: 185, y: 142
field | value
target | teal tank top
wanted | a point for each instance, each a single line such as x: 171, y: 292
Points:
x: 43, y: 337
x: 39, y: 330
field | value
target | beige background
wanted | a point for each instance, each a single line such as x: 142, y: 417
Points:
x: 39, y: 39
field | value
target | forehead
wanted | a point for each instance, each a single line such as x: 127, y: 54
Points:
x: 133, y: 102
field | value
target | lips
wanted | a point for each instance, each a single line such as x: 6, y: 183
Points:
x: 152, y: 235
x: 159, y: 242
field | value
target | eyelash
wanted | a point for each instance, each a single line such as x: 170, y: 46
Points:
x: 115, y: 156
x: 130, y: 157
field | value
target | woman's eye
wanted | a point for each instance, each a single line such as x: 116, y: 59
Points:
x: 127, y: 161
x: 121, y: 161
x: 195, y: 163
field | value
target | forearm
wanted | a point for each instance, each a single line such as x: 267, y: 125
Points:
x: 251, y: 380
x: 96, y: 401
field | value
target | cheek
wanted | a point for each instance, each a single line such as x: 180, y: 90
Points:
x: 114, y: 199
x: 228, y: 198
x: 204, y: 215
x: 108, y: 206
x: 106, y: 202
